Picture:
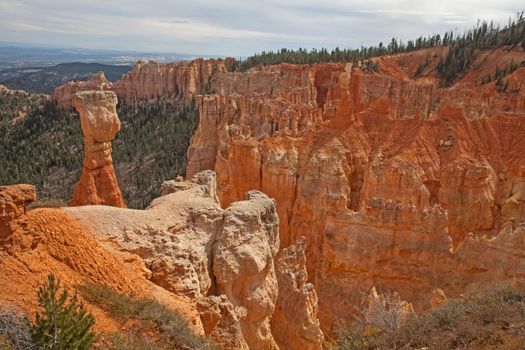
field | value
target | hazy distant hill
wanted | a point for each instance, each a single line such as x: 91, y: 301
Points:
x: 46, y: 79
x: 18, y: 55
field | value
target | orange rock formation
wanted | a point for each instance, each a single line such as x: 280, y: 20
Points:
x: 43, y: 241
x: 100, y: 123
x: 394, y: 181
x: 63, y: 95
x: 222, y: 258
x: 294, y: 322
x: 149, y: 80
x: 13, y: 202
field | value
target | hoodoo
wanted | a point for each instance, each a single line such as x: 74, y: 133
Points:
x: 100, y: 123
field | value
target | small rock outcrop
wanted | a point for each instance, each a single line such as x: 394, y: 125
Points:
x: 243, y: 264
x: 13, y: 202
x: 221, y: 322
x: 437, y: 298
x: 100, y: 123
x: 387, y: 313
x: 294, y: 322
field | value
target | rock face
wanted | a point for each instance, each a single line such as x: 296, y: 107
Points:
x: 224, y: 258
x: 149, y: 80
x: 394, y: 181
x: 100, y: 123
x: 63, y: 95
x: 294, y: 322
x: 13, y: 202
x: 243, y: 264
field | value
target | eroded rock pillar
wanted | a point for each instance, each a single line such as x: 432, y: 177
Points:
x: 100, y: 123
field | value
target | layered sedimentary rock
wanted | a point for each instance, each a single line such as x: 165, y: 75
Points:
x: 224, y: 258
x: 149, y: 80
x: 394, y: 181
x: 13, y: 202
x: 294, y: 322
x: 63, y: 95
x: 100, y: 123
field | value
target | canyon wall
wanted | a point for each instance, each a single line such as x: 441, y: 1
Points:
x: 394, y: 181
x: 149, y: 80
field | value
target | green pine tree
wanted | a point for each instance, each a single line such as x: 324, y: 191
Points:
x: 64, y: 324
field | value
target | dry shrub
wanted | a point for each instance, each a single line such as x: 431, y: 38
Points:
x: 492, y: 320
x: 171, y: 324
x: 14, y: 331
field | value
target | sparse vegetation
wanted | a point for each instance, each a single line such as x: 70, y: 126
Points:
x: 15, y: 333
x: 130, y: 341
x: 500, y: 73
x: 494, y: 319
x: 174, y: 330
x: 64, y: 323
x: 463, y: 49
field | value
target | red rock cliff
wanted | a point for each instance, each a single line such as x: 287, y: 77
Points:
x: 149, y: 80
x: 394, y: 181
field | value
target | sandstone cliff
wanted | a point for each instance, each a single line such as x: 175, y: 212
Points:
x: 394, y: 181
x: 149, y: 80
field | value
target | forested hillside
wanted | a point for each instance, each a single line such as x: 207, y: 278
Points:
x: 463, y: 49
x: 45, y: 147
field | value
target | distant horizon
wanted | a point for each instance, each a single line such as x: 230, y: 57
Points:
x: 31, y: 45
x: 205, y: 28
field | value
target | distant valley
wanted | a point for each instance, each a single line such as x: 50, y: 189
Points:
x: 46, y: 79
x: 41, y: 69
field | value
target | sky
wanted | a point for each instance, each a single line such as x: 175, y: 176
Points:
x: 237, y: 27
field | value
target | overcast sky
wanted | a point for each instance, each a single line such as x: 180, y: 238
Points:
x: 237, y: 27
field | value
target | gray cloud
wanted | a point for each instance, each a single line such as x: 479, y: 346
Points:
x: 237, y: 27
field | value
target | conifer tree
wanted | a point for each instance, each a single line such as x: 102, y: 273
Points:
x: 64, y: 324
